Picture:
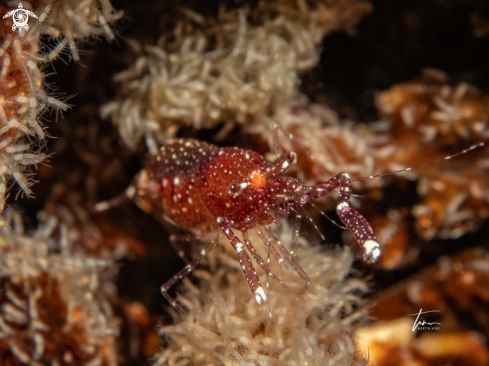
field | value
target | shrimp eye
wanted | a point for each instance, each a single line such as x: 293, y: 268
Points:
x: 292, y: 157
x: 284, y: 162
x: 237, y: 188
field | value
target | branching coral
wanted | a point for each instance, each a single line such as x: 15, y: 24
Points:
x: 225, y: 326
x: 54, y: 308
x: 237, y: 68
x: 427, y: 117
x: 71, y: 21
x: 25, y: 96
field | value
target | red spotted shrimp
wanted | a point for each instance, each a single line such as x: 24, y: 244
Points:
x: 202, y: 187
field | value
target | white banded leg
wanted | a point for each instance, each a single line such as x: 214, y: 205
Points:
x: 244, y: 259
x: 353, y: 220
x: 356, y: 223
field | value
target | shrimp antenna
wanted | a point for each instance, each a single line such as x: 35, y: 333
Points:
x: 329, y: 218
x: 116, y: 201
x: 314, y: 224
x: 473, y: 147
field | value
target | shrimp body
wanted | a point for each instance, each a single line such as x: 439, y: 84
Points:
x: 171, y: 185
x: 201, y: 187
x: 193, y: 183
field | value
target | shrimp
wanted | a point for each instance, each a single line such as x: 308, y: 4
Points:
x: 201, y: 187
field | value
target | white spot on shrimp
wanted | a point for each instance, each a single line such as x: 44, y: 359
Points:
x: 259, y: 295
x: 372, y: 251
x: 341, y: 206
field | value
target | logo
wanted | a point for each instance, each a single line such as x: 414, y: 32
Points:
x: 421, y: 324
x: 20, y: 17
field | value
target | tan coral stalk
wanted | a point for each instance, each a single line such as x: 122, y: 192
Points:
x: 224, y: 325
x: 24, y: 94
x: 238, y: 68
x: 53, y: 305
